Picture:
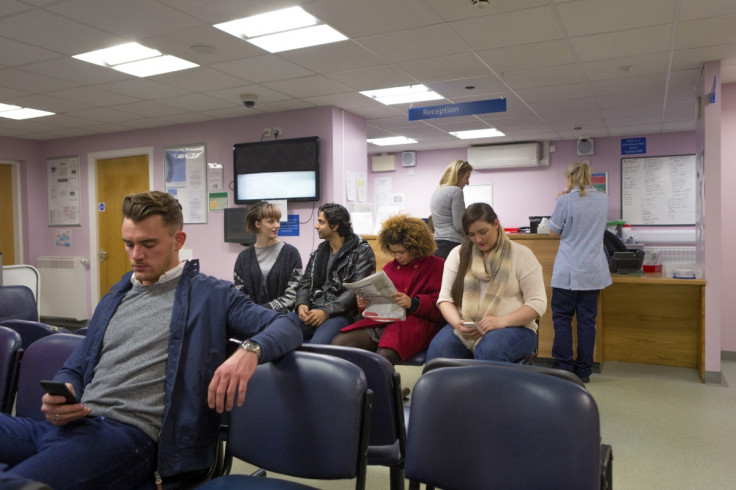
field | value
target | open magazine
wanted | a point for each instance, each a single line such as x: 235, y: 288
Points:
x: 378, y: 288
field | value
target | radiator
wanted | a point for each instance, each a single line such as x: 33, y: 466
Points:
x: 63, y: 287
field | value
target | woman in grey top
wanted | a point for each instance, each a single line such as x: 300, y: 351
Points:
x: 269, y: 271
x: 448, y: 205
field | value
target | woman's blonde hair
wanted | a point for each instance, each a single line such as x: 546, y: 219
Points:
x: 580, y: 173
x: 455, y: 171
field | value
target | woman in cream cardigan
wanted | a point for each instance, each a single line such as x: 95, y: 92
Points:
x: 492, y: 293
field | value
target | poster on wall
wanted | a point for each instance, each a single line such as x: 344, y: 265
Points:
x: 62, y: 180
x: 185, y: 176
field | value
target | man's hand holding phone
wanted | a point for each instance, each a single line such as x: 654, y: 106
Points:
x: 60, y: 403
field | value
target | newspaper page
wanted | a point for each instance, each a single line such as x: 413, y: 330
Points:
x: 377, y: 289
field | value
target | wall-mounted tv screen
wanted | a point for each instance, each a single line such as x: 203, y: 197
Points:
x: 236, y: 231
x: 279, y: 169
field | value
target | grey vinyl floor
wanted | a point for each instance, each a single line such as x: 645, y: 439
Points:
x: 668, y: 430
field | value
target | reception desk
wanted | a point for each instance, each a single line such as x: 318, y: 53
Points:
x: 644, y: 319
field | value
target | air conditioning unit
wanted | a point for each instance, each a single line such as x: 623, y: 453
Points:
x: 506, y: 156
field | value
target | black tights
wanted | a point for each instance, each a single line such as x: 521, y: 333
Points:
x: 361, y: 340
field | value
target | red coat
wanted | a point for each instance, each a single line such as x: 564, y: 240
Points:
x: 421, y: 279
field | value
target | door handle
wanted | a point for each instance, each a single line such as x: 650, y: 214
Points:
x: 103, y: 255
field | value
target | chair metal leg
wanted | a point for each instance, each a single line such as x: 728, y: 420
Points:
x: 396, y: 474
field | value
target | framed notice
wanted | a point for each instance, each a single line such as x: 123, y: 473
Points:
x: 62, y: 180
x: 658, y: 191
x: 185, y: 177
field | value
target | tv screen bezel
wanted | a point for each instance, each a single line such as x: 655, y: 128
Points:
x: 318, y: 164
x: 245, y: 238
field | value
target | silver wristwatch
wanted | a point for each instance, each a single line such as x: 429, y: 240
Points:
x: 251, y: 346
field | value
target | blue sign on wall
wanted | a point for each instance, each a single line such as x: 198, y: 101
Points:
x: 633, y: 146
x: 290, y: 227
x: 460, y: 109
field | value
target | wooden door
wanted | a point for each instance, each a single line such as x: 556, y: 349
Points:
x: 116, y: 177
x: 7, y: 222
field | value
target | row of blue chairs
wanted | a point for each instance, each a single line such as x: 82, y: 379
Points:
x: 326, y: 412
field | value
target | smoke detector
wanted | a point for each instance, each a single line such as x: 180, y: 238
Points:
x: 481, y: 4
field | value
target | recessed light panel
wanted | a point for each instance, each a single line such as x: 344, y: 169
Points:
x: 392, y: 140
x: 25, y: 113
x: 135, y: 59
x: 477, y: 133
x: 282, y: 30
x: 402, y: 95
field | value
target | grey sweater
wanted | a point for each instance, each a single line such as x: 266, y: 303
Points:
x: 448, y: 205
x: 128, y: 384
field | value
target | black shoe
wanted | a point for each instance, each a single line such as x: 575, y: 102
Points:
x: 405, y: 393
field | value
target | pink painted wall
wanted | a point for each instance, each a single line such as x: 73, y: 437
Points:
x: 523, y: 192
x: 728, y: 204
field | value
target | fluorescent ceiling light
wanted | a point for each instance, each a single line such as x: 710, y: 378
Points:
x: 301, y: 38
x: 477, y: 133
x: 24, y: 113
x: 8, y: 107
x: 268, y: 23
x: 136, y: 59
x: 282, y: 30
x: 402, y: 95
x: 123, y: 53
x: 392, y: 140
x: 155, y: 66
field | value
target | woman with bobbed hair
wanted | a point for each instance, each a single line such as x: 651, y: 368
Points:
x: 417, y: 275
x: 269, y: 270
x: 492, y: 293
x: 448, y: 205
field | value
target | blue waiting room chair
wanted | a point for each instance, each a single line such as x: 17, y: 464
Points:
x: 306, y: 415
x: 10, y: 351
x: 498, y: 425
x: 387, y: 445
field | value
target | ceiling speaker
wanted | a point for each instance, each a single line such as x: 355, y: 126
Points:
x: 409, y: 159
x: 585, y: 147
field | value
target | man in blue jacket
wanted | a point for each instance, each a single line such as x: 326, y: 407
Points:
x: 152, y: 375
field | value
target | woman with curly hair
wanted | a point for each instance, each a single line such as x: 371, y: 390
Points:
x: 417, y: 275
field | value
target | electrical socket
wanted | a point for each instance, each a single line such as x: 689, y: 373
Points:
x: 277, y: 132
x: 266, y: 133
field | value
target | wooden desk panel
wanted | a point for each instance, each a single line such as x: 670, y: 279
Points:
x: 653, y: 323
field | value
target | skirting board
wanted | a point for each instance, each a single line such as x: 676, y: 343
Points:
x: 714, y: 378
x: 728, y: 355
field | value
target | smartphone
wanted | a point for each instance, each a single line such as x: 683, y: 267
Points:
x: 58, y: 388
x: 473, y: 324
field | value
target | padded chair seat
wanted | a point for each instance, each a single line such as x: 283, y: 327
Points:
x: 253, y: 483
x: 417, y: 359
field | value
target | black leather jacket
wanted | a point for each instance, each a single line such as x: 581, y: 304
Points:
x: 322, y: 289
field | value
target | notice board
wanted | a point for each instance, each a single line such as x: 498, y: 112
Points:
x: 658, y: 190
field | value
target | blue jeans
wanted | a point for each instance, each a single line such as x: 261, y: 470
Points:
x: 510, y: 344
x: 584, y: 306
x: 89, y: 453
x: 444, y: 247
x: 325, y: 332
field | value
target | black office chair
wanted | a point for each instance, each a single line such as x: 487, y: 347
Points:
x: 30, y: 331
x: 17, y: 302
x: 306, y: 415
x: 11, y: 347
x: 387, y: 444
x: 499, y: 426
x: 41, y: 360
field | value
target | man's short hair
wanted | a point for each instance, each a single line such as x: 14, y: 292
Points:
x: 137, y: 207
x: 335, y: 214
